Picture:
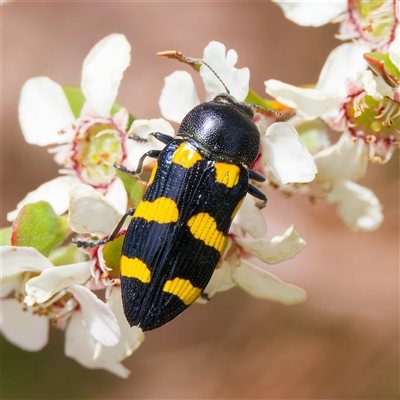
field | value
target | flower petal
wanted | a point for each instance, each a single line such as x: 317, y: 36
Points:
x: 44, y: 111
x: 375, y: 86
x: 394, y: 48
x: 54, y: 192
x: 116, y: 195
x: 286, y: 155
x: 178, y: 96
x: 275, y: 250
x: 121, y: 119
x: 131, y: 337
x: 263, y: 285
x: 309, y: 103
x: 80, y: 346
x: 343, y: 160
x: 102, y: 72
x: 142, y: 128
x: 97, y: 316
x: 221, y: 281
x: 250, y: 218
x: 312, y: 13
x: 90, y: 212
x: 52, y: 280
x: 22, y: 328
x: 343, y: 63
x: 236, y: 80
x: 17, y: 260
x: 358, y: 206
x: 7, y: 287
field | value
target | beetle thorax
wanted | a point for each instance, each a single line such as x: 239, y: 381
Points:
x: 224, y: 127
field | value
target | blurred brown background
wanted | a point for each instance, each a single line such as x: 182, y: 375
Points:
x: 342, y: 343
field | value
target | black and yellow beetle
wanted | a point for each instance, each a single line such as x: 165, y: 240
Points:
x: 179, y: 229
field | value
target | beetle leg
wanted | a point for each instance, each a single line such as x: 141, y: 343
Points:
x: 256, y: 176
x: 257, y: 193
x: 162, y: 137
x: 150, y: 153
x: 85, y: 244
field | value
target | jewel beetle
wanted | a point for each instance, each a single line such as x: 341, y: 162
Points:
x: 179, y: 229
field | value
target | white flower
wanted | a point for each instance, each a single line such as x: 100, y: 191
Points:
x: 338, y: 166
x: 282, y: 151
x: 311, y: 13
x: 368, y: 22
x: 342, y: 103
x: 92, y: 354
x: 234, y: 269
x: 91, y: 144
x: 179, y: 94
x: 19, y: 324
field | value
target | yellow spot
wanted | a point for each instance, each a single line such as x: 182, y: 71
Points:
x: 135, y: 268
x: 183, y: 289
x: 153, y: 174
x: 237, y: 208
x: 203, y: 227
x: 162, y: 210
x: 227, y: 174
x: 186, y: 156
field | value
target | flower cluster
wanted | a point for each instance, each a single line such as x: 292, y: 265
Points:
x: 362, y: 104
x: 46, y: 280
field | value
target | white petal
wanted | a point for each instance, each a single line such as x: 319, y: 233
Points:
x: 343, y: 160
x: 236, y: 80
x: 275, y: 250
x: 7, y: 286
x: 90, y: 212
x: 97, y: 316
x: 102, y: 72
x: 375, y: 86
x: 284, y: 152
x: 309, y: 103
x: 17, y: 260
x: 312, y: 13
x: 143, y: 128
x: 117, y: 196
x: 221, y: 281
x: 121, y: 119
x: 131, y: 337
x: 394, y: 48
x: 178, y: 96
x: 22, y: 328
x: 358, y: 206
x: 263, y: 285
x: 80, y: 346
x: 342, y: 63
x: 44, y: 111
x: 53, y: 280
x: 250, y: 218
x: 54, y: 192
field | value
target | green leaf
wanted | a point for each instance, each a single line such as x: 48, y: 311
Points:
x: 382, y: 65
x: 112, y: 253
x: 254, y: 98
x: 76, y: 100
x: 65, y: 255
x: 133, y: 186
x: 38, y: 226
x: 5, y: 236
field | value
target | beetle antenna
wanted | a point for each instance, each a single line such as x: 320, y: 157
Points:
x: 193, y: 62
x: 264, y: 111
x: 223, y: 84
